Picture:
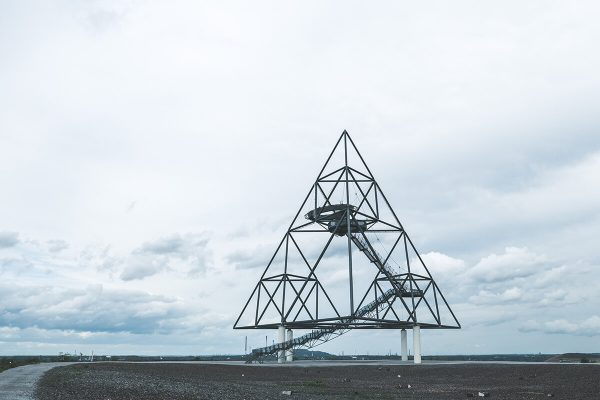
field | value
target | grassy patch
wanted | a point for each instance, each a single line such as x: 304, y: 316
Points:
x: 317, y: 384
x: 7, y: 363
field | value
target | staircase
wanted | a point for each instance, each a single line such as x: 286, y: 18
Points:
x: 387, y: 270
x: 319, y: 336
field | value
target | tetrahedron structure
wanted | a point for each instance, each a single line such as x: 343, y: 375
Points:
x: 345, y: 262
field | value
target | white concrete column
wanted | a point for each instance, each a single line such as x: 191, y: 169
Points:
x: 417, y: 344
x: 290, y: 352
x: 281, y: 339
x: 404, y: 345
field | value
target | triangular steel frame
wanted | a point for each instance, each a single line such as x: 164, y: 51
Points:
x: 401, y: 299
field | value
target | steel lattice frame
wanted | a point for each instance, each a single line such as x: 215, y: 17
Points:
x: 412, y: 291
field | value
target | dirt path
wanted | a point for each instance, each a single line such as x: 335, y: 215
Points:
x: 19, y: 383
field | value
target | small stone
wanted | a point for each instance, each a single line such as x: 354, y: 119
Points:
x: 483, y: 394
x: 286, y: 392
x: 408, y: 386
x: 550, y: 395
x: 399, y: 376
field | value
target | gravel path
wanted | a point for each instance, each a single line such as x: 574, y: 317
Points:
x: 173, y: 381
x: 19, y: 383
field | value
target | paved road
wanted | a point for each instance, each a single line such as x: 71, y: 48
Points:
x: 19, y: 383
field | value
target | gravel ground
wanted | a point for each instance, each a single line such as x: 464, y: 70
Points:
x: 120, y: 381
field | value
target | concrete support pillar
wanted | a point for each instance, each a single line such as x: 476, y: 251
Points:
x: 290, y: 352
x: 417, y: 344
x: 404, y: 345
x: 281, y: 339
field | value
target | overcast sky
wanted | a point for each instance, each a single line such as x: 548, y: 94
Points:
x: 153, y: 153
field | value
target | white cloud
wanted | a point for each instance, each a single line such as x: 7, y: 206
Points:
x: 591, y: 325
x: 167, y: 245
x: 514, y: 263
x: 92, y: 309
x: 186, y: 254
x: 587, y: 327
x: 444, y: 269
x: 141, y: 268
x: 121, y: 123
x: 57, y: 245
x: 512, y: 294
x: 258, y: 257
x: 473, y: 315
x: 8, y: 239
x: 17, y: 265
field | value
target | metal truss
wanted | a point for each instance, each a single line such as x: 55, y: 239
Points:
x: 398, y: 296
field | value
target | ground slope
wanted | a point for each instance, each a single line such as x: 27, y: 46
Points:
x: 119, y: 381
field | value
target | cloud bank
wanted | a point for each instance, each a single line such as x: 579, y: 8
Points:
x: 152, y: 155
